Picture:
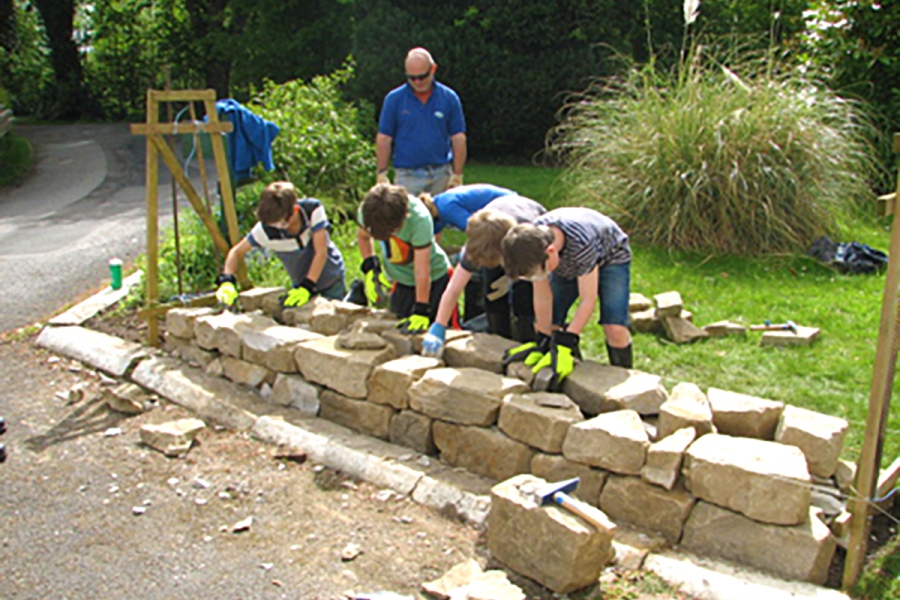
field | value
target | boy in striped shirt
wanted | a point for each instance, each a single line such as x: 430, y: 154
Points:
x: 588, y: 255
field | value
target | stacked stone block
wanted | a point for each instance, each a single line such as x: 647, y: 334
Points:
x: 691, y: 466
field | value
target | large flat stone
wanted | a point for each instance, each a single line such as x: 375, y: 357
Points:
x: 548, y: 544
x: 632, y: 500
x: 819, y: 436
x: 740, y: 415
x: 390, y: 382
x: 480, y: 351
x: 246, y: 373
x: 600, y: 388
x: 466, y: 396
x: 296, y: 392
x: 101, y: 351
x: 613, y: 441
x: 413, y: 430
x: 539, y: 419
x: 481, y: 450
x: 273, y: 347
x: 764, y: 480
x: 181, y: 322
x: 803, y: 551
x: 225, y: 331
x: 189, y: 351
x: 344, y: 371
x: 358, y: 415
x: 255, y: 298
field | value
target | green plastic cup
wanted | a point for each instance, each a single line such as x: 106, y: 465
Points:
x: 115, y: 273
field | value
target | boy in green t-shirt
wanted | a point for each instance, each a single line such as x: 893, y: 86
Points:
x: 412, y: 260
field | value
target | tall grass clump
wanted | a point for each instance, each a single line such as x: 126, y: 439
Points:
x: 739, y: 154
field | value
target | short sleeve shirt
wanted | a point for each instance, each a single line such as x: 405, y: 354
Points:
x: 417, y: 232
x: 421, y: 132
x: 456, y: 205
x: 592, y: 240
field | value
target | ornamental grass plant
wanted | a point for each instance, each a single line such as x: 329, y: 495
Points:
x: 740, y: 154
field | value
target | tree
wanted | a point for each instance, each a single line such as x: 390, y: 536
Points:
x: 71, y: 98
x: 7, y: 24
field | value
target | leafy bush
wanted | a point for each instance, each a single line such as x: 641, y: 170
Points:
x: 749, y: 159
x: 25, y: 69
x: 322, y: 147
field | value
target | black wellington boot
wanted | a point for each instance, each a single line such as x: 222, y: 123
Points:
x: 620, y: 357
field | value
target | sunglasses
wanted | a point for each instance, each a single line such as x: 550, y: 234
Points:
x: 421, y: 77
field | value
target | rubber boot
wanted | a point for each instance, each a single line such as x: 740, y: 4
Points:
x: 2, y: 453
x: 523, y: 329
x: 620, y: 357
x: 2, y: 425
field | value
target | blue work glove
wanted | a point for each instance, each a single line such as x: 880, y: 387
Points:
x: 433, y: 344
x: 417, y: 322
x: 529, y: 352
x: 227, y: 292
x: 375, y: 283
x: 299, y: 296
x: 561, y: 357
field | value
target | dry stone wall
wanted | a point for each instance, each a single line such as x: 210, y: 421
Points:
x: 717, y: 472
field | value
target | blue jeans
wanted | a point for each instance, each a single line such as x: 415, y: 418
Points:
x: 613, y: 291
x: 432, y: 179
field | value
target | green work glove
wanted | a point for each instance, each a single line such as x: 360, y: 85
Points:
x: 227, y: 292
x: 376, y: 284
x: 561, y: 357
x: 299, y: 296
x: 529, y: 352
x: 417, y: 322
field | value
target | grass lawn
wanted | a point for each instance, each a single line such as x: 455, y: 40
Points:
x: 15, y: 159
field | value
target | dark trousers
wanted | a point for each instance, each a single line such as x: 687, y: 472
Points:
x: 403, y: 298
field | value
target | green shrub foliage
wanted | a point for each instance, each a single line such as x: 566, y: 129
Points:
x: 749, y: 159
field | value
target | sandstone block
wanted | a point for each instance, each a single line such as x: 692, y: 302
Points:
x: 646, y: 321
x: 480, y: 351
x: 189, y: 351
x: 345, y: 371
x: 390, y: 382
x: 664, y: 458
x: 632, y: 500
x: 721, y: 329
x: 520, y: 370
x: 180, y: 322
x: 245, y: 373
x: 539, y: 419
x: 600, y: 388
x: 127, y: 398
x: 687, y: 406
x: 613, y: 441
x: 360, y: 340
x: 803, y: 337
x: 554, y: 467
x: 681, y: 330
x: 413, y: 430
x: 845, y: 475
x: 820, y: 437
x: 173, y: 438
x: 273, y: 347
x: 296, y: 392
x: 481, y: 450
x: 254, y: 298
x: 740, y: 415
x: 638, y: 302
x: 550, y: 544
x: 764, y: 480
x: 359, y: 415
x: 326, y: 319
x: 466, y: 396
x: 803, y: 551
x: 224, y: 332
x: 468, y: 580
x: 668, y: 304
x: 271, y: 306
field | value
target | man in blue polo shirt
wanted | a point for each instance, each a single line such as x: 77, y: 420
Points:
x: 422, y: 125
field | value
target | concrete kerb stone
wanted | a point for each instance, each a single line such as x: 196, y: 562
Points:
x: 450, y: 490
x: 99, y: 350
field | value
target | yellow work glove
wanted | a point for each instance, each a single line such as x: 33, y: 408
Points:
x: 456, y: 180
x: 227, y: 293
x: 375, y: 283
x: 529, y: 352
x: 417, y: 322
x: 561, y: 357
x: 299, y: 296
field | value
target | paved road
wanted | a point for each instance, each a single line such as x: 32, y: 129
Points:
x: 83, y: 204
